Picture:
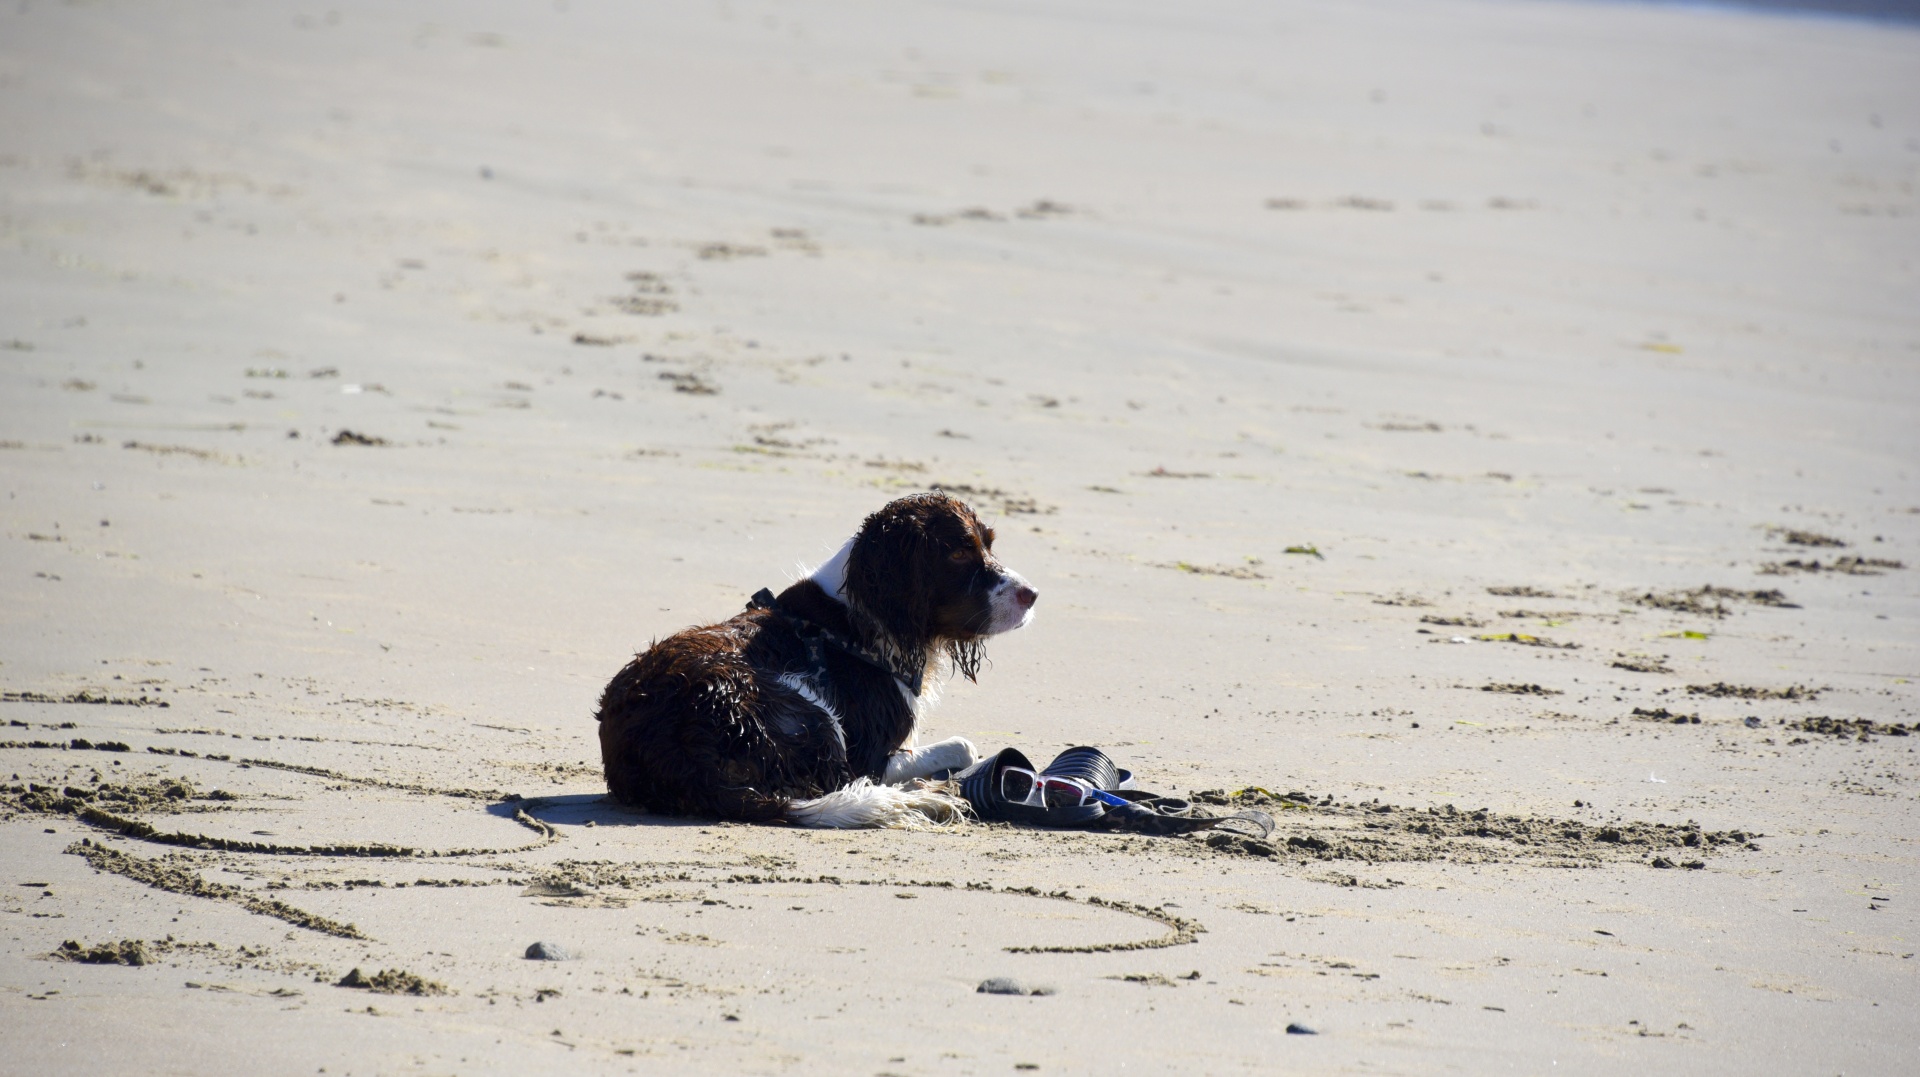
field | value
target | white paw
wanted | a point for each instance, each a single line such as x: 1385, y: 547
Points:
x: 954, y: 753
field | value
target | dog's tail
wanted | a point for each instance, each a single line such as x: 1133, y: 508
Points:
x: 865, y: 804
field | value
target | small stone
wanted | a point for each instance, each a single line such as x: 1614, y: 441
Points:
x: 1297, y: 1029
x: 1007, y: 985
x: 1662, y: 862
x: 549, y: 951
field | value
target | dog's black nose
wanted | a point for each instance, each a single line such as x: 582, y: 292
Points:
x: 1026, y: 596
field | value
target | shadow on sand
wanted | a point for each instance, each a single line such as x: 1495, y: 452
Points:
x: 579, y: 809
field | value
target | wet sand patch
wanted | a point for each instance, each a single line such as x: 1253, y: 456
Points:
x: 175, y: 879
x: 1320, y: 830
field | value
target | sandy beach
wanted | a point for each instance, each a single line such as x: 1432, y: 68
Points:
x: 1482, y: 435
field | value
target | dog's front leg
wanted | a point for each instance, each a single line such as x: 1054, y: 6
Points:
x: 954, y: 753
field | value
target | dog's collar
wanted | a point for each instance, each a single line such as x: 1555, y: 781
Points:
x: 814, y: 635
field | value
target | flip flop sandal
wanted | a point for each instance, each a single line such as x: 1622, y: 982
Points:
x: 980, y: 784
x: 1138, y: 812
x: 1090, y: 765
x: 1146, y: 812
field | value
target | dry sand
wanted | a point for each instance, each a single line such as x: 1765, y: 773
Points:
x: 1532, y: 320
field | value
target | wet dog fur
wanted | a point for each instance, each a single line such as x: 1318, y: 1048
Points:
x: 735, y: 721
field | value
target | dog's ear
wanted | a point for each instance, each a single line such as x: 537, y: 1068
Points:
x: 967, y: 656
x: 888, y: 577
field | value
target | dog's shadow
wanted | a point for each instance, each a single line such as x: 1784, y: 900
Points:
x: 582, y: 809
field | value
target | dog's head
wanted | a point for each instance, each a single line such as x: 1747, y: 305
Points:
x: 923, y: 569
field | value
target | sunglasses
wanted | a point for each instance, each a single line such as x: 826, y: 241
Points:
x: 1021, y: 786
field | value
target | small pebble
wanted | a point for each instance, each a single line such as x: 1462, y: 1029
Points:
x: 1007, y: 985
x: 548, y: 951
x: 1297, y: 1029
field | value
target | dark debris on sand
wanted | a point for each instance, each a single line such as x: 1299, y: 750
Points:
x: 135, y: 795
x: 150, y: 952
x: 85, y: 695
x: 1527, y: 640
x: 690, y: 383
x: 393, y: 982
x: 1796, y: 537
x: 1723, y: 690
x: 1708, y: 600
x: 1858, y: 728
x: 1521, y: 689
x: 1662, y: 714
x: 124, y: 952
x: 1846, y: 566
x: 1008, y: 504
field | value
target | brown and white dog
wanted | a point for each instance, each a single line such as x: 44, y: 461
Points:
x: 803, y: 707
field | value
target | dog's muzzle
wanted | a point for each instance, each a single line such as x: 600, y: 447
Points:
x: 1010, y: 602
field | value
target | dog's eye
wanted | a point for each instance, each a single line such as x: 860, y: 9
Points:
x: 960, y: 556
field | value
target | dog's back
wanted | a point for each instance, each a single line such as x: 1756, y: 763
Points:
x: 718, y: 721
